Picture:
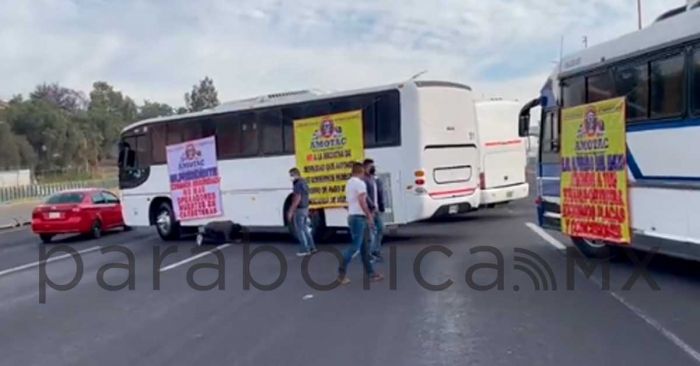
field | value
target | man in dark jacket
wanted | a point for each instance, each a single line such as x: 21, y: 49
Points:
x: 375, y: 201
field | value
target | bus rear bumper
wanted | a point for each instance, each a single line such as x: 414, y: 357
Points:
x: 453, y: 209
x: 496, y: 195
x: 440, y: 207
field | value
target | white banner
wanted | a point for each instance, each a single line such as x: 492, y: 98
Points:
x: 194, y: 179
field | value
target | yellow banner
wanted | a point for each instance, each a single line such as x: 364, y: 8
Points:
x: 594, y: 201
x: 325, y: 148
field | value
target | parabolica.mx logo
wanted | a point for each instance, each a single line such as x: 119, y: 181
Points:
x: 328, y: 136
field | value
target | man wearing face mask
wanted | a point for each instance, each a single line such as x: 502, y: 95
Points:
x: 375, y: 201
x: 298, y: 213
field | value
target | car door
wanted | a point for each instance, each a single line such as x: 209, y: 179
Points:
x: 113, y: 206
x: 100, y: 209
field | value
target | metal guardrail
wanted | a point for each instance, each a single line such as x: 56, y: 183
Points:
x: 11, y: 194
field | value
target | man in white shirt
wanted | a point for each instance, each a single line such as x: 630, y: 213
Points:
x: 359, y: 218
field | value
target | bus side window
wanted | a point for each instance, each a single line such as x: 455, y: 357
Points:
x: 599, y: 87
x: 288, y: 134
x: 695, y: 89
x: 271, y: 131
x: 668, y: 86
x: 158, y: 139
x: 550, y: 133
x: 249, y: 134
x: 228, y: 137
x: 174, y: 133
x: 127, y: 154
x: 574, y: 91
x: 632, y: 81
x: 388, y: 119
x: 143, y: 151
x: 192, y: 130
x: 369, y: 120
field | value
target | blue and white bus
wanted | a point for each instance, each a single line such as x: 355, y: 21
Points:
x: 658, y: 70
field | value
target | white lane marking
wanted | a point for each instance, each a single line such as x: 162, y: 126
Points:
x: 194, y: 257
x: 49, y: 260
x: 660, y: 328
x: 14, y: 230
x: 690, y: 351
x: 544, y: 235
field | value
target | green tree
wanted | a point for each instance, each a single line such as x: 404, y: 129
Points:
x: 9, y: 154
x: 154, y: 109
x: 67, y: 99
x: 203, y: 96
x: 48, y: 129
x: 110, y: 111
x: 28, y: 157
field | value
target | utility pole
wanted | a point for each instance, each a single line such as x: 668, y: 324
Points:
x: 585, y: 41
x: 639, y: 14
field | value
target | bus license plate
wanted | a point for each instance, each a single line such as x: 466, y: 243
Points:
x: 509, y: 194
x: 453, y: 209
x: 54, y: 215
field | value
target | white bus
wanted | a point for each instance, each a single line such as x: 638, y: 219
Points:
x: 503, y: 153
x: 658, y: 70
x: 422, y: 135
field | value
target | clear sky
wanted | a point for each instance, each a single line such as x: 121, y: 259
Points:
x: 158, y: 49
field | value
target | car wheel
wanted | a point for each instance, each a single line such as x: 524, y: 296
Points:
x: 598, y: 249
x: 46, y: 238
x: 168, y: 228
x: 127, y: 228
x: 96, y: 230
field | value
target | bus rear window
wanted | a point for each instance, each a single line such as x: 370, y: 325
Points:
x: 63, y: 198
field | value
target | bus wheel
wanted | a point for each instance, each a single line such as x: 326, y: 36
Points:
x: 319, y: 230
x: 168, y: 228
x: 596, y: 248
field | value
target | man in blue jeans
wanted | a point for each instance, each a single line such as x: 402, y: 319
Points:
x: 298, y: 213
x: 359, y: 218
x: 375, y: 200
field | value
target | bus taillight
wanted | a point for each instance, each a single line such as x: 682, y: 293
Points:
x: 482, y: 181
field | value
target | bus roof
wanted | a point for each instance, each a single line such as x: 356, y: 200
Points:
x: 676, y: 29
x: 286, y: 98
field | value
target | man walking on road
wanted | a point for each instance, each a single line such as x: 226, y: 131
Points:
x: 375, y: 199
x: 298, y: 213
x: 359, y: 218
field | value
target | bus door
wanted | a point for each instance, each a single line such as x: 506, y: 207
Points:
x: 549, y: 169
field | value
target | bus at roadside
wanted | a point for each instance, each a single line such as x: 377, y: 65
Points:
x: 423, y: 134
x: 656, y: 71
x: 503, y: 153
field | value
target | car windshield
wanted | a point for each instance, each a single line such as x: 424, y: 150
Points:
x: 65, y: 198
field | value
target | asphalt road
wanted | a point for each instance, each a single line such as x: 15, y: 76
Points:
x: 396, y: 322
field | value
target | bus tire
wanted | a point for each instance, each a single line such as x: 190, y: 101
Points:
x: 168, y: 228
x: 597, y: 249
x: 319, y: 230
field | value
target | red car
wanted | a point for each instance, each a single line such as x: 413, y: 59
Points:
x: 85, y: 211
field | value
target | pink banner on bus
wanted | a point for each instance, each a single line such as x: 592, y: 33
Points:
x: 194, y: 179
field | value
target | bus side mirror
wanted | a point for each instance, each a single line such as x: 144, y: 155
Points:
x: 524, y: 118
x: 524, y: 125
